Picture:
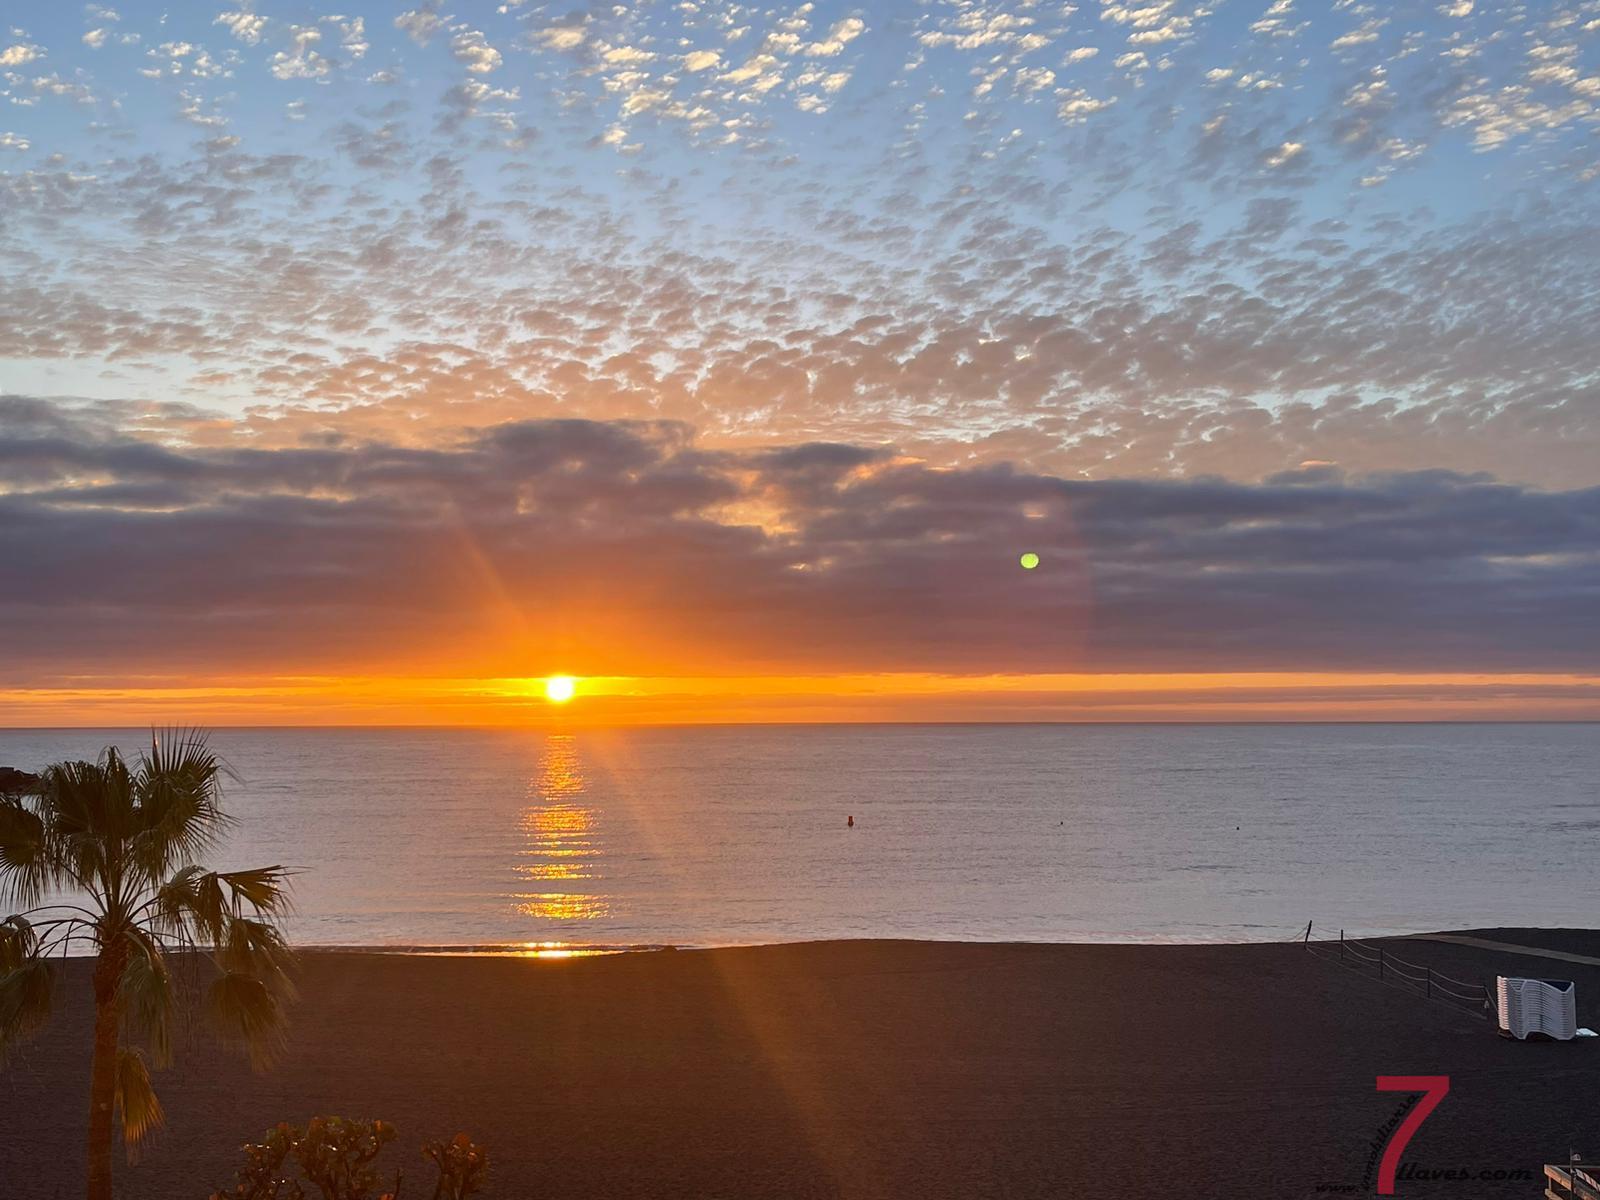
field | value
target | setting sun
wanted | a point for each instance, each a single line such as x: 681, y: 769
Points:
x: 558, y: 689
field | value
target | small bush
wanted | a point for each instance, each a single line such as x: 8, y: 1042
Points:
x: 264, y: 1175
x: 335, y: 1156
x: 462, y: 1165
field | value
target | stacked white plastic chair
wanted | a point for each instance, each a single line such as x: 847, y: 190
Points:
x: 1538, y: 1006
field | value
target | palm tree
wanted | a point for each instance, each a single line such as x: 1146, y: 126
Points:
x: 113, y: 847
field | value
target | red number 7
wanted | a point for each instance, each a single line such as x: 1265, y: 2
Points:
x: 1433, y: 1089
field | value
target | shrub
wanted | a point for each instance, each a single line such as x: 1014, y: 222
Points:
x: 462, y: 1165
x: 335, y: 1156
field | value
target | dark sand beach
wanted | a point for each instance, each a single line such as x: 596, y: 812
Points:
x: 863, y: 1069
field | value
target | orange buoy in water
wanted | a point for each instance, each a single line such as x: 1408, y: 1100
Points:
x: 850, y: 822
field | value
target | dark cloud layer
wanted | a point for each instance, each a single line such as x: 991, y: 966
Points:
x: 625, y: 547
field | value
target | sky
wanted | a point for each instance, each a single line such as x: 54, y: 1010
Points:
x: 372, y: 364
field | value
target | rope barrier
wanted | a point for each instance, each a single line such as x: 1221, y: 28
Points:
x: 1390, y: 959
x: 1469, y: 1004
x: 1394, y: 971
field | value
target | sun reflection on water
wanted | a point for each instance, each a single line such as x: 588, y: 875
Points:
x: 562, y: 843
x: 559, y: 950
x: 561, y: 906
x: 540, y: 950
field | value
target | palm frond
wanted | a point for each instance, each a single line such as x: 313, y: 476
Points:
x: 26, y: 864
x: 257, y: 948
x: 178, y: 785
x: 169, y: 907
x: 193, y: 903
x: 202, y: 903
x: 42, y: 931
x: 86, y: 808
x: 25, y: 996
x: 266, y: 889
x: 145, y: 995
x: 179, y: 748
x: 19, y: 942
x: 243, y: 1008
x: 111, y: 803
x: 137, y: 1103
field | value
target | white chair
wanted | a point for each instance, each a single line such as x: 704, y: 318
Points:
x: 1543, y: 1007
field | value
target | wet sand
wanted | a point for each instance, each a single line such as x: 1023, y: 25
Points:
x: 862, y: 1069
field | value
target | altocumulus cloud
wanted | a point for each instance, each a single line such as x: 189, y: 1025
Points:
x: 630, y: 548
x: 1096, y: 240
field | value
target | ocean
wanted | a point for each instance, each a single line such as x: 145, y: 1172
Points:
x: 727, y: 835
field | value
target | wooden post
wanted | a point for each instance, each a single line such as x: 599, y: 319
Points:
x: 1307, y: 938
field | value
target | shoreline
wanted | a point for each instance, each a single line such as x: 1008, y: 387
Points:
x: 554, y: 949
x: 557, y: 948
x: 858, y: 1069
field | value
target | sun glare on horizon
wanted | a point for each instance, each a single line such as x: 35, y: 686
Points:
x: 558, y: 689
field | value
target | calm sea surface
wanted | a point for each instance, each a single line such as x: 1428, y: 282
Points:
x: 1054, y: 833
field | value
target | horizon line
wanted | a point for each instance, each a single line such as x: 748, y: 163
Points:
x: 576, y: 726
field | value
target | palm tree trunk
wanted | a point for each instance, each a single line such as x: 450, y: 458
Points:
x: 103, y: 1073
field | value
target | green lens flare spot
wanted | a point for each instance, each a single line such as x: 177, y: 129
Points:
x: 1029, y: 561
